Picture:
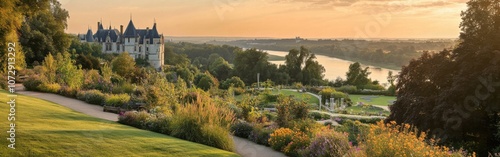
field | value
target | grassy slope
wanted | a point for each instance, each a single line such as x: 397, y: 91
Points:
x: 380, y: 100
x: 47, y: 129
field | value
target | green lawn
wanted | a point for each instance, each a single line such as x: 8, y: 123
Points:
x: 275, y: 58
x: 365, y: 110
x: 304, y: 96
x: 47, y: 129
x: 372, y: 99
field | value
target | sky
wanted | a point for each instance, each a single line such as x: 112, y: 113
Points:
x: 274, y: 18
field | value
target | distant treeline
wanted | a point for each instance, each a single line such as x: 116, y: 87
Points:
x: 385, y: 53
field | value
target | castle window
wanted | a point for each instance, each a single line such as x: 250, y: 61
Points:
x: 117, y: 47
x: 147, y: 49
x: 140, y: 48
x: 108, y: 47
x: 135, y: 48
x: 128, y: 39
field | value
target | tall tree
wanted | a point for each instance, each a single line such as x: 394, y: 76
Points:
x: 249, y: 63
x: 455, y: 94
x: 11, y: 21
x: 357, y: 76
x: 301, y: 66
x: 42, y: 30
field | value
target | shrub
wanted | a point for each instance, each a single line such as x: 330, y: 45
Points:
x: 161, y: 124
x: 328, y: 143
x: 117, y: 99
x: 315, y: 115
x: 135, y: 119
x: 348, y: 89
x: 49, y: 87
x: 242, y: 129
x: 280, y: 138
x: 68, y: 92
x: 196, y: 127
x: 32, y: 83
x: 300, y: 141
x: 217, y: 136
x: 356, y: 130
x: 260, y: 135
x: 123, y: 88
x: 92, y: 97
x: 395, y: 140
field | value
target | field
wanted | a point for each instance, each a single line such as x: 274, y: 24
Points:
x: 372, y: 99
x: 275, y: 58
x: 47, y: 129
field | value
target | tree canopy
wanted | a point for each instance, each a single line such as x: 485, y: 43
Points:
x: 455, y: 94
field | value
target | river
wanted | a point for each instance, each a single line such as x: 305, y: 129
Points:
x: 338, y: 67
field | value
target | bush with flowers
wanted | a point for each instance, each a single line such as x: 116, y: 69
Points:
x: 327, y: 142
x: 395, y: 140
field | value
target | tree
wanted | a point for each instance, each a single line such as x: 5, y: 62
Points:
x: 220, y: 68
x: 454, y: 94
x: 250, y: 62
x: 357, y: 76
x: 234, y: 81
x: 67, y: 72
x: 42, y: 30
x: 10, y: 23
x: 302, y: 66
x: 123, y: 65
x: 205, y: 81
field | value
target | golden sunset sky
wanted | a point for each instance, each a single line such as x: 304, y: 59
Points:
x: 275, y: 18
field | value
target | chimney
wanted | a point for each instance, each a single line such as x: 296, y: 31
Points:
x: 121, y: 29
x: 98, y: 24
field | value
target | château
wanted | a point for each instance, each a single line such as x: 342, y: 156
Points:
x: 139, y: 43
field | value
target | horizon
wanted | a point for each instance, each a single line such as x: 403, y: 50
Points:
x: 318, y: 19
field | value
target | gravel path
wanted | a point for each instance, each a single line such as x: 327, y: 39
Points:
x: 243, y: 147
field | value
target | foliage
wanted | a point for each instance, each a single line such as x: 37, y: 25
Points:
x: 32, y: 83
x: 357, y: 76
x: 117, y: 99
x: 261, y: 135
x: 280, y: 138
x: 160, y: 93
x: 92, y: 97
x: 88, y: 62
x: 68, y: 91
x: 328, y: 93
x: 241, y: 129
x: 291, y: 109
x: 328, y: 143
x: 49, y: 87
x: 250, y: 62
x: 92, y: 79
x: 395, y: 140
x: 124, y: 87
x: 42, y: 30
x: 347, y: 89
x: 135, y: 119
x: 300, y: 141
x: 205, y: 81
x: 302, y: 66
x: 123, y: 65
x: 220, y: 68
x: 67, y: 72
x: 234, y: 81
x: 355, y: 129
x: 12, y: 19
x: 248, y: 105
x: 198, y: 127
